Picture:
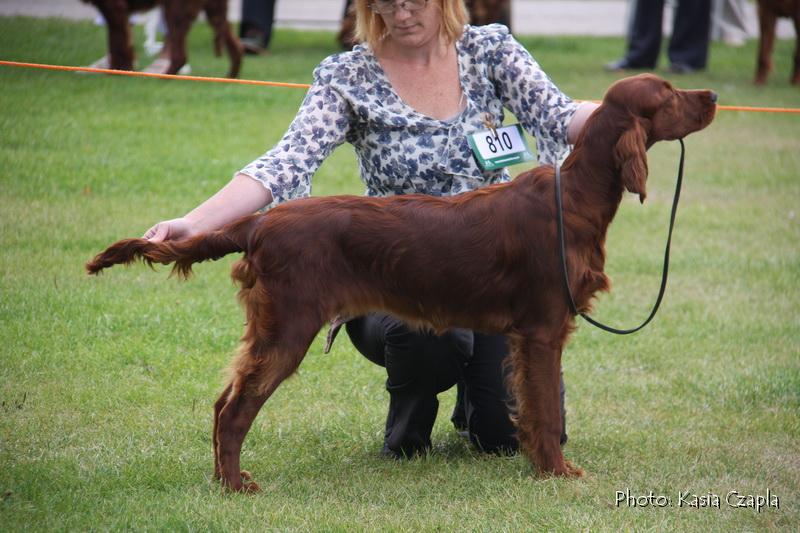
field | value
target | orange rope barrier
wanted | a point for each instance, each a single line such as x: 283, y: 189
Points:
x: 153, y: 75
x: 294, y: 85
x: 758, y: 109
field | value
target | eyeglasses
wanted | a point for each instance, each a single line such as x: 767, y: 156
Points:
x: 387, y: 7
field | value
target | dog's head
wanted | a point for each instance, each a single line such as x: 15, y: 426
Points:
x: 652, y: 110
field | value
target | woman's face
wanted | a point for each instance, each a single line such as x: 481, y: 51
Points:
x: 414, y: 28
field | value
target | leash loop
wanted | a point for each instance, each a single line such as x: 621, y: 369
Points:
x: 665, y: 271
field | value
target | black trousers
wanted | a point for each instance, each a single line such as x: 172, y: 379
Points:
x: 257, y: 19
x: 420, y: 365
x: 688, y: 45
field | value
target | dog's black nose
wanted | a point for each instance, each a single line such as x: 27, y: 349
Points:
x: 714, y: 97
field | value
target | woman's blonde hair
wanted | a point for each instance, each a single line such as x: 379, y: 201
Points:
x: 371, y: 29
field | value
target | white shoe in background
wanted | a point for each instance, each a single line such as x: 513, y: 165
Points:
x: 103, y: 62
x: 160, y: 66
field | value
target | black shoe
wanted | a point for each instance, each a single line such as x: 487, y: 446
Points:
x: 624, y: 64
x: 459, y: 416
x: 405, y: 452
x: 252, y: 46
x: 682, y: 68
x: 253, y: 42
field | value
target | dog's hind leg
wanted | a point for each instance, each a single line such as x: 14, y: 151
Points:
x: 236, y: 410
x: 179, y: 17
x: 234, y: 414
x: 218, y: 405
x: 536, y: 384
x: 796, y: 72
x: 267, y: 357
x: 766, y: 23
x: 119, y: 37
x: 216, y: 13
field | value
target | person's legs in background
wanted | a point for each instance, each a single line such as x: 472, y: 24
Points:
x: 644, y: 38
x: 255, y: 30
x: 691, y: 32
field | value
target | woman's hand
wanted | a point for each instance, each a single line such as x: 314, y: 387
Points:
x: 170, y: 230
x: 241, y: 196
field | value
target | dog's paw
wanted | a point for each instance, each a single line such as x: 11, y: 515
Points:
x: 244, y: 483
x: 248, y: 485
x: 566, y: 469
x: 251, y: 487
x: 572, y: 471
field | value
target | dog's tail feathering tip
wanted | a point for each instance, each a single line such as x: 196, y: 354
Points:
x: 183, y: 254
x: 122, y: 252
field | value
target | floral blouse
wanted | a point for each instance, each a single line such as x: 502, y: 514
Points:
x: 401, y: 151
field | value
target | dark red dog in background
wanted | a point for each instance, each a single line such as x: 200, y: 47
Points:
x: 179, y: 15
x: 768, y: 13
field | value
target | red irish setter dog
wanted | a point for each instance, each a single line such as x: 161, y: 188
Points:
x: 768, y: 13
x: 312, y: 259
x: 179, y: 15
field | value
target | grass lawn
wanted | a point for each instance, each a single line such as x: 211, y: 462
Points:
x: 106, y: 384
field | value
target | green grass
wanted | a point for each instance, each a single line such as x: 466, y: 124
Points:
x: 106, y: 384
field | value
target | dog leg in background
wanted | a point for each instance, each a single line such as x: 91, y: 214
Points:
x: 120, y: 49
x: 536, y: 384
x: 796, y: 73
x: 216, y: 13
x: 179, y: 22
x: 766, y: 25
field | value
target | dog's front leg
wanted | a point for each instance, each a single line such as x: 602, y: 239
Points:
x: 766, y: 23
x: 119, y: 38
x: 536, y: 384
x: 796, y: 72
x: 179, y: 17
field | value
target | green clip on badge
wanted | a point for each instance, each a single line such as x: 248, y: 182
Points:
x: 500, y: 147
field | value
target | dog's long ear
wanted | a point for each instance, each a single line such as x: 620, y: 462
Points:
x: 631, y: 157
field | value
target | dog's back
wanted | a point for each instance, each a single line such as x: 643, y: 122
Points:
x: 366, y: 254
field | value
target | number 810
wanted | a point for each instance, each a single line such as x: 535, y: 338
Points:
x: 503, y: 142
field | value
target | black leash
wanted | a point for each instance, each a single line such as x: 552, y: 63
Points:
x: 562, y: 251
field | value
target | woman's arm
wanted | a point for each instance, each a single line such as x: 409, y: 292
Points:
x: 579, y: 119
x: 524, y: 88
x: 241, y: 196
x: 283, y: 173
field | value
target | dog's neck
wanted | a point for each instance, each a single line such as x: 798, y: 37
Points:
x: 591, y: 176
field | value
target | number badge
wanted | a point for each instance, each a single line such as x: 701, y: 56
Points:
x: 500, y: 147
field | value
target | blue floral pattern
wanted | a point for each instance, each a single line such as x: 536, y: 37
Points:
x: 401, y: 151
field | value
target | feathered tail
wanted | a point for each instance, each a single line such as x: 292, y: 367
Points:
x: 213, y: 245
